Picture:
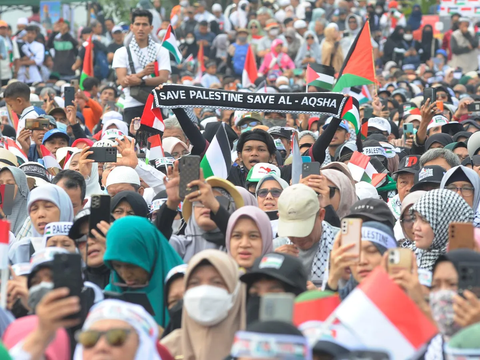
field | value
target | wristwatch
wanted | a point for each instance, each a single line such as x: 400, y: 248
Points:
x: 142, y: 82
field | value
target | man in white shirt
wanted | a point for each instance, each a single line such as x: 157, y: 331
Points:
x: 32, y: 60
x: 17, y: 96
x: 148, y: 58
x: 201, y: 14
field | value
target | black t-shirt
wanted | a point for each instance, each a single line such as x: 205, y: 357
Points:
x: 113, y: 47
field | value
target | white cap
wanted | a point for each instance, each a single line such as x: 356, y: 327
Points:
x: 22, y: 21
x: 299, y: 24
x: 34, y: 97
x: 112, y: 115
x: 413, y: 117
x: 262, y: 169
x: 216, y: 7
x: 365, y: 190
x: 437, y: 120
x: 56, y: 229
x: 116, y: 28
x: 283, y: 3
x: 211, y: 119
x: 280, y: 80
x: 297, y: 209
x: 123, y: 175
x: 380, y: 124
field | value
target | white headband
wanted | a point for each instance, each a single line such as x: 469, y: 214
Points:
x: 378, y: 236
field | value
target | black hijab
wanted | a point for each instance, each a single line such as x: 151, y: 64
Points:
x: 136, y: 201
x: 440, y: 138
x: 458, y: 256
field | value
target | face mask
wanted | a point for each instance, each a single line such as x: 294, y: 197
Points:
x: 208, y: 305
x: 407, y: 37
x: 242, y: 38
x: 437, y: 61
x: 189, y: 41
x: 273, y: 32
x: 441, y: 303
x: 253, y: 309
x: 177, y: 226
x: 61, y: 126
x: 379, y: 11
x: 37, y: 292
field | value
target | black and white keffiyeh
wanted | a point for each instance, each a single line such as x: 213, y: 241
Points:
x: 151, y: 52
x: 440, y: 208
x: 325, y: 245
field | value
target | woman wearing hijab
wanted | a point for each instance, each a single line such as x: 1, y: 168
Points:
x: 190, y: 46
x: 439, y: 140
x: 123, y: 329
x: 466, y: 183
x: 415, y: 19
x: 404, y: 226
x: 394, y: 41
x: 248, y: 198
x: 332, y: 54
x: 90, y: 172
x: 429, y: 44
x: 268, y: 190
x: 275, y: 59
x: 309, y: 52
x: 14, y: 176
x: 213, y: 308
x: 249, y: 235
x: 432, y: 215
x: 292, y: 42
x: 175, y: 147
x: 140, y: 261
x: 256, y: 33
x: 46, y: 204
x: 343, y: 191
x: 127, y: 203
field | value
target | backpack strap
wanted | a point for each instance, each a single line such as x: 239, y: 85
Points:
x: 130, y: 60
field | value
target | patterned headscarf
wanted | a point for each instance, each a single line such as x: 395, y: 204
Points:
x: 440, y: 208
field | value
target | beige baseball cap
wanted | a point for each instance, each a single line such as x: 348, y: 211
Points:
x: 297, y: 209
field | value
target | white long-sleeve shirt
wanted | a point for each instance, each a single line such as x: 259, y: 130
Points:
x: 30, y: 74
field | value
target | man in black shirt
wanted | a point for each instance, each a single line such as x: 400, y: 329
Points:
x: 117, y: 35
x: 66, y: 49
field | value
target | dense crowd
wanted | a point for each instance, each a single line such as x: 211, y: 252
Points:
x: 142, y: 224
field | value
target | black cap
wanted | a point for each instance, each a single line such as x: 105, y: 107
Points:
x: 409, y: 164
x: 273, y: 327
x: 460, y: 134
x: 441, y: 138
x: 281, y: 132
x: 326, y: 347
x: 372, y: 209
x: 470, y: 122
x: 80, y: 218
x: 282, y: 267
x: 428, y: 175
x: 452, y: 128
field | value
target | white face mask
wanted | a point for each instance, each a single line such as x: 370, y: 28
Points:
x: 408, y: 37
x: 379, y: 11
x: 176, y: 226
x: 189, y: 40
x: 273, y: 32
x: 208, y: 305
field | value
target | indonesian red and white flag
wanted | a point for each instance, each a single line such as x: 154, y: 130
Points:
x: 14, y: 148
x: 382, y: 316
x: 152, y: 116
x: 250, y: 72
x: 4, y: 239
x: 49, y: 161
x: 155, y: 149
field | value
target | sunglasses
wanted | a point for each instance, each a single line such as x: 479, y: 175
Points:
x: 309, y: 37
x: 249, y: 124
x: 253, y: 27
x: 264, y: 192
x: 114, y: 337
x: 332, y: 191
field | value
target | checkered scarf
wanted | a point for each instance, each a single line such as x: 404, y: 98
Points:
x: 151, y: 52
x: 325, y: 245
x: 440, y: 208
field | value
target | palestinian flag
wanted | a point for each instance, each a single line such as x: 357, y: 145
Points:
x: 152, y: 119
x: 361, y: 168
x: 154, y: 149
x: 358, y: 67
x: 156, y: 71
x: 250, y: 72
x: 375, y: 312
x: 170, y: 43
x: 217, y: 160
x: 323, y: 76
x: 351, y: 114
x: 364, y: 129
x: 87, y: 70
x: 358, y: 93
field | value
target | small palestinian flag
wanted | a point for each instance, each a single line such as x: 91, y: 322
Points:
x: 321, y: 76
x: 351, y: 114
x: 217, y: 160
x: 170, y: 43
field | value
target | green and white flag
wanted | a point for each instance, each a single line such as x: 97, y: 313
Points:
x: 217, y: 160
x: 170, y: 43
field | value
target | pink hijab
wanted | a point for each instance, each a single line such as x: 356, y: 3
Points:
x: 261, y: 220
x: 59, y: 348
x: 248, y: 197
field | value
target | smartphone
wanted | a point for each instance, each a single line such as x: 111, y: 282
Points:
x: 469, y: 277
x: 352, y: 234
x: 36, y: 124
x: 430, y: 93
x: 99, y: 210
x: 474, y: 107
x: 399, y: 259
x: 311, y: 168
x: 67, y: 272
x: 7, y: 192
x: 189, y: 168
x: 368, y: 112
x: 103, y: 154
x: 111, y: 105
x: 69, y: 95
x: 74, y: 84
x: 277, y: 306
x: 460, y: 236
x: 407, y: 131
x: 439, y: 105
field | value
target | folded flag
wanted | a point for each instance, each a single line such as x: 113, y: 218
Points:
x: 376, y: 313
x: 152, y: 119
x: 49, y: 161
x: 296, y: 160
x: 360, y: 93
x: 323, y: 76
x: 87, y: 69
x: 361, y: 168
x: 250, y: 72
x: 154, y: 149
x: 4, y: 238
x: 217, y: 160
x: 170, y: 43
x: 15, y: 149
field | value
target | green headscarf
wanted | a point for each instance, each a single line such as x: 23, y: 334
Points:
x: 4, y: 355
x: 259, y: 26
x: 136, y: 241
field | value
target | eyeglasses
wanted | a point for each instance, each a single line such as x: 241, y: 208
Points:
x: 264, y: 192
x: 309, y: 37
x: 352, y: 21
x: 332, y: 191
x: 178, y: 155
x: 407, y: 219
x: 249, y: 124
x: 114, y: 337
x: 464, y: 190
x: 442, y: 96
x: 254, y: 27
